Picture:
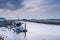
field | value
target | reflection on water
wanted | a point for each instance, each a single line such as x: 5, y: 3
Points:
x: 35, y: 32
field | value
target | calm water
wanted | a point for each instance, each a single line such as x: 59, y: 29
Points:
x: 35, y: 32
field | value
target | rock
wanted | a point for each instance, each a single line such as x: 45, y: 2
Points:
x: 1, y: 38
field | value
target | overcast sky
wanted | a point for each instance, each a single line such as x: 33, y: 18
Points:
x: 35, y: 9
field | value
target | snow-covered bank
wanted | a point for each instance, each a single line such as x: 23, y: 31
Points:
x: 9, y: 35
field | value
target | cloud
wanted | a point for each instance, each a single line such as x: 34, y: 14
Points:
x: 11, y: 4
x: 43, y: 6
x: 33, y: 9
x: 50, y: 2
x: 1, y: 10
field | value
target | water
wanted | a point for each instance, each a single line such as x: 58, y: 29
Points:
x: 35, y: 32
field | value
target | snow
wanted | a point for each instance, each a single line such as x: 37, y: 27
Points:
x: 36, y: 31
x: 9, y: 35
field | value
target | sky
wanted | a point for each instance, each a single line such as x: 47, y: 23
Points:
x: 30, y: 9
